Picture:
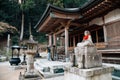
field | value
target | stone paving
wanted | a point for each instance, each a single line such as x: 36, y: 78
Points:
x: 9, y: 73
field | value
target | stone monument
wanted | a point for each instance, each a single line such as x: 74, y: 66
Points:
x: 30, y: 73
x: 87, y: 57
x: 89, y: 63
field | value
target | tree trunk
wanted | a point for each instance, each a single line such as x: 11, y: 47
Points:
x: 8, y: 43
x: 22, y: 27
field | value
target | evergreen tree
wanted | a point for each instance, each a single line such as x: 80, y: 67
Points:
x: 58, y: 3
x: 74, y: 3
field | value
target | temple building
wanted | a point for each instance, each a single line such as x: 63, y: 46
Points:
x: 100, y: 17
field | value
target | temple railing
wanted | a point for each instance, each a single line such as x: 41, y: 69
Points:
x: 108, y: 45
x: 101, y: 45
x: 111, y: 53
x: 113, y: 44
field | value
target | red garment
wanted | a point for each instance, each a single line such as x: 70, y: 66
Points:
x: 85, y: 37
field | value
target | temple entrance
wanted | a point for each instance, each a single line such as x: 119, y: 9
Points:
x: 96, y: 31
x: 97, y: 35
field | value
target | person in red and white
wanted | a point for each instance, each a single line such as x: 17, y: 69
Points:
x: 87, y: 40
x: 80, y: 48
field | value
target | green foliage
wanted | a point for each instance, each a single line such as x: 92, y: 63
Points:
x: 58, y: 3
x: 27, y: 4
x: 74, y: 3
x: 40, y: 37
x: 8, y: 11
x: 15, y: 40
x: 4, y: 53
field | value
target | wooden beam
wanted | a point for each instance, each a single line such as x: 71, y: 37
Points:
x: 66, y: 24
x: 96, y: 36
x: 57, y: 21
x: 58, y: 28
x: 63, y: 24
x: 66, y: 16
x: 96, y: 8
x: 46, y: 21
x: 97, y: 12
x: 76, y: 24
x: 117, y: 20
x: 60, y: 31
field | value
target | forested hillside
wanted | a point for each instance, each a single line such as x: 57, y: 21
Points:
x: 12, y: 12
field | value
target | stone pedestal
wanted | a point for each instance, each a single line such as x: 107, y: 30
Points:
x: 89, y: 66
x: 30, y: 73
x: 99, y: 73
x: 30, y: 63
x: 87, y: 57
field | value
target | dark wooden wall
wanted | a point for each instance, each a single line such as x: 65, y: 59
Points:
x: 113, y: 34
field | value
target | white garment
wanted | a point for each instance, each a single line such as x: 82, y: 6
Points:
x: 86, y: 42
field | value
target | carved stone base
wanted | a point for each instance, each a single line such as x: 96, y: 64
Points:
x: 87, y: 57
x: 29, y: 76
x: 100, y: 73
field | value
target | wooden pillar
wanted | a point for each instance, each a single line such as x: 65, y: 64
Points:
x: 61, y: 41
x: 50, y: 40
x: 74, y: 41
x: 66, y: 38
x: 104, y: 30
x: 105, y: 33
x: 54, y: 39
x: 96, y: 36
x: 66, y: 42
x: 78, y: 37
x: 69, y: 41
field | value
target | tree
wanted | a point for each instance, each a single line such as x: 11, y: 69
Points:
x: 73, y: 3
x: 25, y: 6
x: 58, y: 3
x: 8, y: 12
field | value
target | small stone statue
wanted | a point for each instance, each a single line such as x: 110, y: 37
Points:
x: 31, y: 38
x: 86, y: 53
x: 87, y: 40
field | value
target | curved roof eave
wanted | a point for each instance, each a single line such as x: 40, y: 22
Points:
x: 90, y: 4
x: 50, y: 8
x: 54, y: 8
x: 65, y: 10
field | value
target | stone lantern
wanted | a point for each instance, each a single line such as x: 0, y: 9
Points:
x: 30, y: 52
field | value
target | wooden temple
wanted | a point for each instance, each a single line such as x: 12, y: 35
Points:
x: 100, y: 17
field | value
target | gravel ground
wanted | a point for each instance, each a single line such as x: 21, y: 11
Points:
x: 8, y: 72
